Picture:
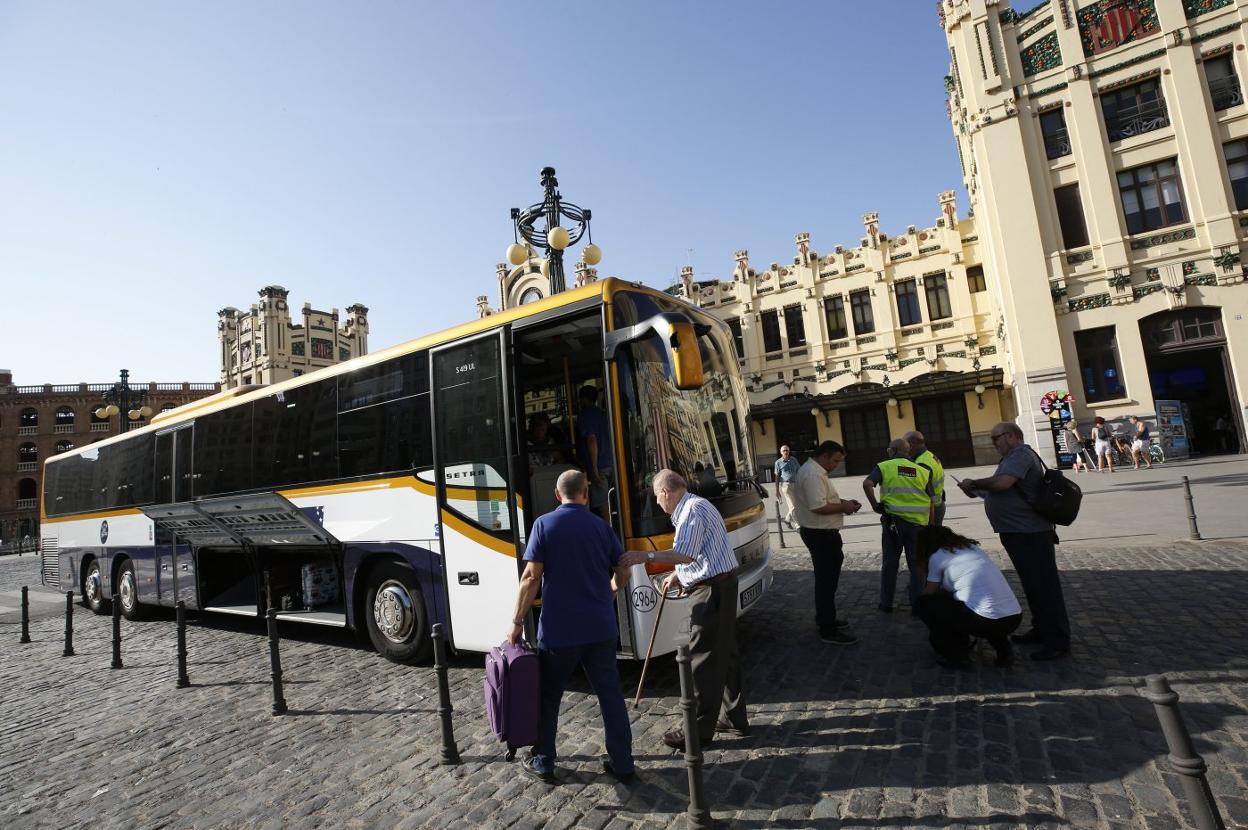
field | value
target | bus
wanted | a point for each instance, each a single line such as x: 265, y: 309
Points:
x: 396, y: 490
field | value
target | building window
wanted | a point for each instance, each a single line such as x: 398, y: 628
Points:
x: 738, y: 341
x: 1053, y: 128
x: 794, y: 327
x: 1098, y: 364
x: 1134, y: 110
x: 1236, y: 153
x: 860, y: 310
x: 1070, y: 216
x: 64, y: 446
x: 907, y: 303
x: 834, y: 315
x: 27, y: 453
x: 28, y: 418
x: 165, y: 407
x: 975, y: 279
x: 64, y: 416
x: 937, y: 290
x: 771, y: 330
x: 1224, y: 91
x: 1152, y: 196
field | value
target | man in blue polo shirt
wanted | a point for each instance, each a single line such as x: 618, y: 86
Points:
x: 572, y: 554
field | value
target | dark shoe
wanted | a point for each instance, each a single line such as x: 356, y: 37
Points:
x: 841, y: 622
x: 627, y: 778
x: 884, y: 609
x: 838, y: 637
x: 739, y: 731
x: 529, y: 767
x: 675, y: 738
x: 1031, y: 638
x: 1049, y: 653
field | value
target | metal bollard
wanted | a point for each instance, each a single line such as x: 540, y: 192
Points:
x: 780, y: 522
x: 450, y: 752
x: 69, y: 625
x: 180, y: 612
x: 1183, y: 757
x: 25, y: 614
x: 117, y: 633
x: 698, y: 815
x: 1193, y: 532
x: 279, y: 701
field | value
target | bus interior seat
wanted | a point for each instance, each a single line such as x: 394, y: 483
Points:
x: 542, y: 482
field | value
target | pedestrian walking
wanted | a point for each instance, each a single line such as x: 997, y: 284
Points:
x: 706, y: 571
x: 820, y: 515
x: 965, y: 595
x: 785, y: 470
x: 572, y: 554
x: 905, y: 505
x: 1028, y: 538
x: 920, y: 454
x: 1140, y: 442
x: 1078, y: 463
x: 1102, y: 440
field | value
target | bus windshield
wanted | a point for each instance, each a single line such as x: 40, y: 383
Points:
x: 699, y: 433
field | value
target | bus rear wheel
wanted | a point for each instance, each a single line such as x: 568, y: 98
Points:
x: 395, y: 613
x: 128, y: 592
x: 93, y: 589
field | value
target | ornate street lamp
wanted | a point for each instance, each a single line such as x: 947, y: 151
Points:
x: 541, y: 227
x: 122, y: 398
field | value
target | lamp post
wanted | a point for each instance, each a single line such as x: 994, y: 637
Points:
x: 541, y: 226
x: 122, y: 398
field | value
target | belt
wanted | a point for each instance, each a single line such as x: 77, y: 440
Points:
x: 715, y: 580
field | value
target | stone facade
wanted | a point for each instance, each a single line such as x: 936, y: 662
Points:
x: 43, y: 420
x: 527, y: 283
x: 1103, y: 146
x: 263, y: 346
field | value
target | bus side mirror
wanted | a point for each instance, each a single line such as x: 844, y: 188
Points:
x: 686, y: 356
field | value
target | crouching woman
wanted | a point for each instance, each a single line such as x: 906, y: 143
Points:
x: 965, y: 596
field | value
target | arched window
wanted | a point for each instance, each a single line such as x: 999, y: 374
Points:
x: 64, y: 416
x: 30, y: 417
x: 64, y: 446
x: 27, y: 453
x: 165, y: 407
x: 96, y: 419
x: 27, y: 488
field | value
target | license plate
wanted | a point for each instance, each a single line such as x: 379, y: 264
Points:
x: 750, y: 594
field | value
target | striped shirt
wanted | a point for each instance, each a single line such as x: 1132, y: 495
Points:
x: 702, y: 536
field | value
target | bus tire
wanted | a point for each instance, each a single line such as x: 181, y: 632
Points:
x: 128, y: 592
x: 93, y: 589
x: 395, y: 614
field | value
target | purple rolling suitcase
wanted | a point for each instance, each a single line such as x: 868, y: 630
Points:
x: 512, y: 695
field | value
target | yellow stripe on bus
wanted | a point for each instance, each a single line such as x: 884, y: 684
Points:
x: 477, y: 535
x: 103, y: 514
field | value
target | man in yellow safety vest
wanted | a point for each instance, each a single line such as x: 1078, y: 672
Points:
x: 925, y: 457
x: 905, y: 505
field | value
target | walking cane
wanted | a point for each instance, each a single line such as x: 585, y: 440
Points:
x: 646, y: 665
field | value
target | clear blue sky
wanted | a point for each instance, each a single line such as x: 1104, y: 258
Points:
x: 159, y: 161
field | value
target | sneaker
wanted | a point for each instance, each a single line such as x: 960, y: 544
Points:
x: 675, y: 738
x: 739, y: 731
x: 838, y: 637
x: 627, y: 778
x: 531, y: 767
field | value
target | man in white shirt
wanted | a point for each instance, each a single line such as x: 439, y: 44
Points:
x: 820, y: 514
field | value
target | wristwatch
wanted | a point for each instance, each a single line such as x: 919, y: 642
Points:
x: 517, y: 622
x: 650, y: 556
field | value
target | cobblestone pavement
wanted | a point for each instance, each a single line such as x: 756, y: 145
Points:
x: 867, y: 736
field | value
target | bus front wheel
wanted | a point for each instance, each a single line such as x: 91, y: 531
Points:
x: 93, y: 589
x: 398, y: 623
x: 128, y: 592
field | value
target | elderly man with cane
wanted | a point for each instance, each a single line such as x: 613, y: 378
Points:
x: 706, y: 570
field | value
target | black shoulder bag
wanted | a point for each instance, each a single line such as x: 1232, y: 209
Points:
x: 1058, y: 498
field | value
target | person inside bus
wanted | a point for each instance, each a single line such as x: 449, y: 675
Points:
x: 593, y: 445
x: 542, y: 449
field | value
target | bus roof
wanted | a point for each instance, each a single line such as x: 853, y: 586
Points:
x: 603, y: 289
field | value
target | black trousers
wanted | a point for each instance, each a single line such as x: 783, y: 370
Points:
x: 714, y: 658
x: 1034, y: 556
x: 827, y: 555
x: 951, y: 624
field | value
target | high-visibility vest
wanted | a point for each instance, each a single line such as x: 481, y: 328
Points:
x: 938, y: 474
x: 903, y: 490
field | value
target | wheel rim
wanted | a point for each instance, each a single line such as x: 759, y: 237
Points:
x: 127, y: 590
x: 393, y: 611
x: 93, y: 588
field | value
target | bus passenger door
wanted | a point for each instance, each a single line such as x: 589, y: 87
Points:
x: 175, y: 568
x: 476, y: 508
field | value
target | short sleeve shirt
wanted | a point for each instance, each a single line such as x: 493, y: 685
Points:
x: 702, y: 536
x: 813, y: 488
x: 593, y: 421
x: 1009, y: 511
x: 578, y: 552
x: 786, y: 469
x: 975, y: 580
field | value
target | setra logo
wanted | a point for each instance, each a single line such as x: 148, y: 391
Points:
x: 103, y: 532
x: 645, y: 598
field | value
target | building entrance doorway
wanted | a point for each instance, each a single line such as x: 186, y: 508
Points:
x: 864, y: 430
x: 1185, y: 352
x: 799, y: 431
x: 946, y: 429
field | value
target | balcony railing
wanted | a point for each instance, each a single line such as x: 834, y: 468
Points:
x: 1137, y: 120
x: 1225, y: 93
x: 27, y: 504
x: 27, y: 430
x: 27, y: 466
x: 62, y: 428
x: 1057, y: 143
x: 99, y: 427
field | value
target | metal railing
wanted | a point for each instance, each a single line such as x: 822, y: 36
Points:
x: 1137, y: 120
x: 1225, y: 92
x: 1057, y: 143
